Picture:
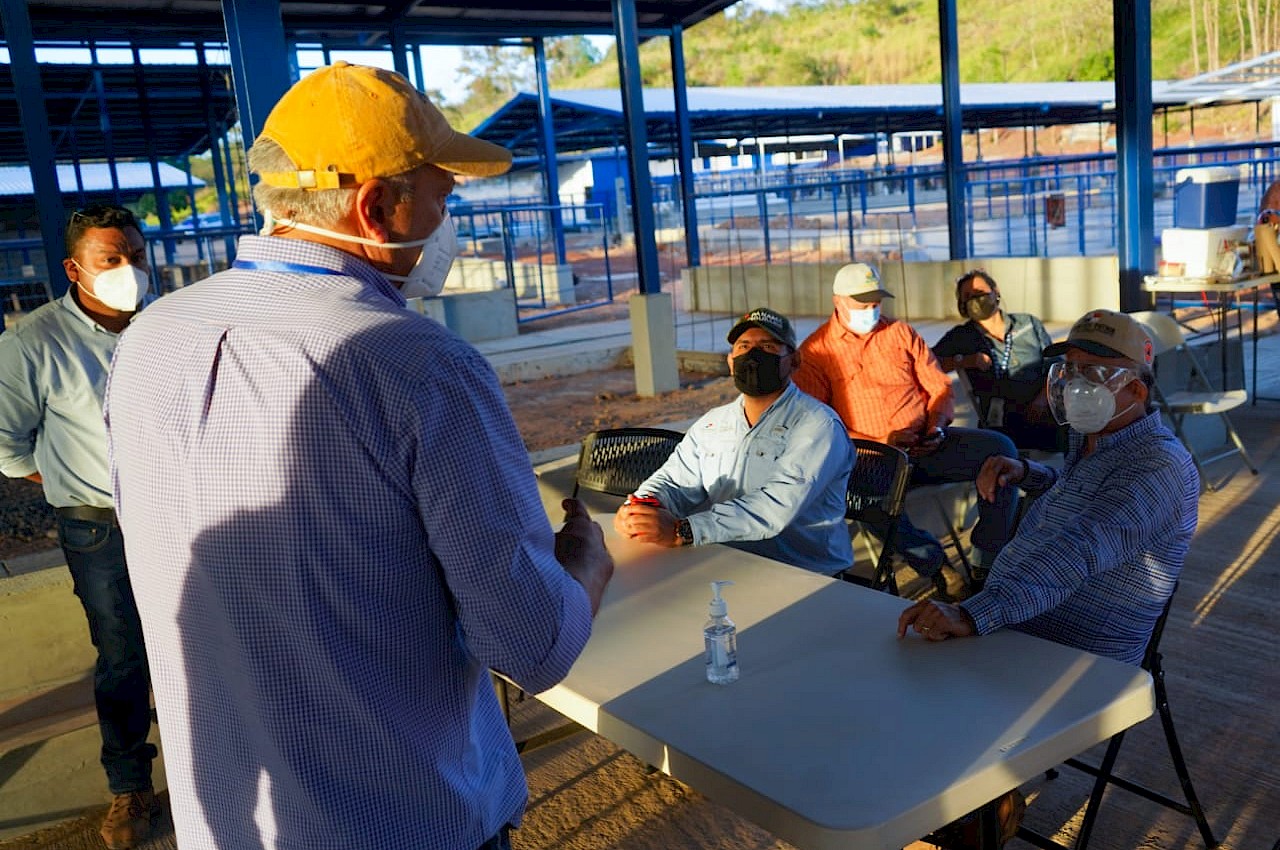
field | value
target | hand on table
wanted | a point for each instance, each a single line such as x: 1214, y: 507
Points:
x: 935, y: 620
x: 581, y: 551
x: 646, y: 523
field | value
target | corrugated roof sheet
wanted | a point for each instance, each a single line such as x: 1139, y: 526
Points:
x: 592, y: 118
x: 134, y: 178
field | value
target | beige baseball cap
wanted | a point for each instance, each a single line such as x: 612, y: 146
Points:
x: 345, y: 124
x: 1107, y: 333
x: 860, y: 282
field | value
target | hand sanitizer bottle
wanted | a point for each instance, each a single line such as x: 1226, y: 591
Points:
x: 721, y: 638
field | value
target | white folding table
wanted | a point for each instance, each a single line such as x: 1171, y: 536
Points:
x: 838, y: 734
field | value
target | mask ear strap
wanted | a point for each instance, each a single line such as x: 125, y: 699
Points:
x: 268, y: 223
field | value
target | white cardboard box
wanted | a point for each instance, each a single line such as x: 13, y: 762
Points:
x: 1200, y: 251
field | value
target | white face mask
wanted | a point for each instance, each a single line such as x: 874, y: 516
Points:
x: 427, y: 277
x: 1086, y: 405
x: 862, y: 321
x: 120, y: 288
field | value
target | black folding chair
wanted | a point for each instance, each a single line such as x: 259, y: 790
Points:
x: 618, y: 460
x: 876, y: 493
x: 1103, y: 775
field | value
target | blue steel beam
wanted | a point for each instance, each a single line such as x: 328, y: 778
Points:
x: 1131, y: 22
x: 399, y: 52
x: 684, y: 146
x: 259, y: 60
x: 35, y: 128
x: 153, y: 158
x: 624, y: 21
x: 550, y: 168
x: 952, y: 116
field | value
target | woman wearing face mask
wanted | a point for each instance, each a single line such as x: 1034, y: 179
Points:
x: 1000, y: 354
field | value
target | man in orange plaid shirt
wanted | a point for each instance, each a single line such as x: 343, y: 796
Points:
x: 885, y: 383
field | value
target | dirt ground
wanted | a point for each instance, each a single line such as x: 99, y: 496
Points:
x: 549, y: 413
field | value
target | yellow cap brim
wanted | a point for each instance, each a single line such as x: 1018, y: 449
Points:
x: 472, y: 157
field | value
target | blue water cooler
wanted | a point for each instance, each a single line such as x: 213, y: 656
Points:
x: 1205, y: 197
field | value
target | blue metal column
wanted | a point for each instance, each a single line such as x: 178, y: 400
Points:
x: 399, y: 57
x: 1131, y: 21
x: 35, y: 129
x: 628, y: 34
x: 684, y: 149
x: 104, y: 125
x: 259, y: 60
x: 952, y: 146
x: 162, y: 197
x: 547, y: 131
x: 653, y: 327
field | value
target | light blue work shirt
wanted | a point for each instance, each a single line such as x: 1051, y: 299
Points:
x: 53, y: 372
x: 776, y: 489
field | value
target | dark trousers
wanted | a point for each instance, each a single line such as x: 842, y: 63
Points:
x: 958, y: 458
x: 95, y: 557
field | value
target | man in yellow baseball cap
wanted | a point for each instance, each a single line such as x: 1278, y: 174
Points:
x: 339, y: 533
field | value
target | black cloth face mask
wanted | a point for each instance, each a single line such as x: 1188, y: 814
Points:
x: 981, y: 307
x: 757, y: 372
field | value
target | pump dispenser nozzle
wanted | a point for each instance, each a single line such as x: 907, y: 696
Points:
x: 718, y: 607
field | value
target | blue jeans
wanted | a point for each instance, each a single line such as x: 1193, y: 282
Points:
x: 958, y: 458
x: 121, y: 680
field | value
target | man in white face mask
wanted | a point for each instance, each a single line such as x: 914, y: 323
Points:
x: 880, y: 376
x: 1101, y: 548
x: 339, y: 530
x: 53, y: 374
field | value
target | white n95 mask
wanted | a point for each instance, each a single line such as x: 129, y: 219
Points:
x: 121, y: 288
x: 427, y: 277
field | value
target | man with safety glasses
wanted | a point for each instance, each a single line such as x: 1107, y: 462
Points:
x: 1100, y: 551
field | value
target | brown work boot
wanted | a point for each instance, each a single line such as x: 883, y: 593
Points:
x: 129, y: 819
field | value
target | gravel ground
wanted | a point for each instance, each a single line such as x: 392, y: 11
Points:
x: 26, y: 520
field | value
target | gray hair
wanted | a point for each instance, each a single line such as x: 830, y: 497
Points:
x: 318, y: 207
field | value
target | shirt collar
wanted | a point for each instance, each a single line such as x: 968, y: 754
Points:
x: 1135, y: 430
x: 71, y: 305
x: 305, y: 252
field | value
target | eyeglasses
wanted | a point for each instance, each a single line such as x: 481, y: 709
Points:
x: 1094, y: 373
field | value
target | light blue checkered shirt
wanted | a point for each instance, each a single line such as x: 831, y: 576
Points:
x: 1100, y: 551
x: 334, y: 532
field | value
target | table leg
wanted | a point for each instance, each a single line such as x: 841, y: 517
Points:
x: 989, y: 825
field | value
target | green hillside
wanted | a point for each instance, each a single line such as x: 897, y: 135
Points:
x: 853, y: 42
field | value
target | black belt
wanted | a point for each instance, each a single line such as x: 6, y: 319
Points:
x: 87, y: 513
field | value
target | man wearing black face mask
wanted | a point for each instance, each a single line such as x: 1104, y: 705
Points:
x: 766, y: 473
x: 1000, y: 354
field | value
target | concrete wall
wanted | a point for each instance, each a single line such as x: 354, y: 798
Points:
x: 532, y: 280
x: 1057, y: 289
x: 474, y: 316
x: 49, y: 638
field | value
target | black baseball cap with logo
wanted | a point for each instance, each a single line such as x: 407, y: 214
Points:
x: 771, y: 322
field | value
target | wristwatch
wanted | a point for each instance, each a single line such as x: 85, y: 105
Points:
x: 684, y: 533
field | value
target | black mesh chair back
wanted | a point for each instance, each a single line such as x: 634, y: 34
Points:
x: 876, y: 493
x: 617, y: 461
x: 1103, y: 774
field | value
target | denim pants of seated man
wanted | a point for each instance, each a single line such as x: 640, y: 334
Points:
x: 958, y: 458
x: 121, y: 682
